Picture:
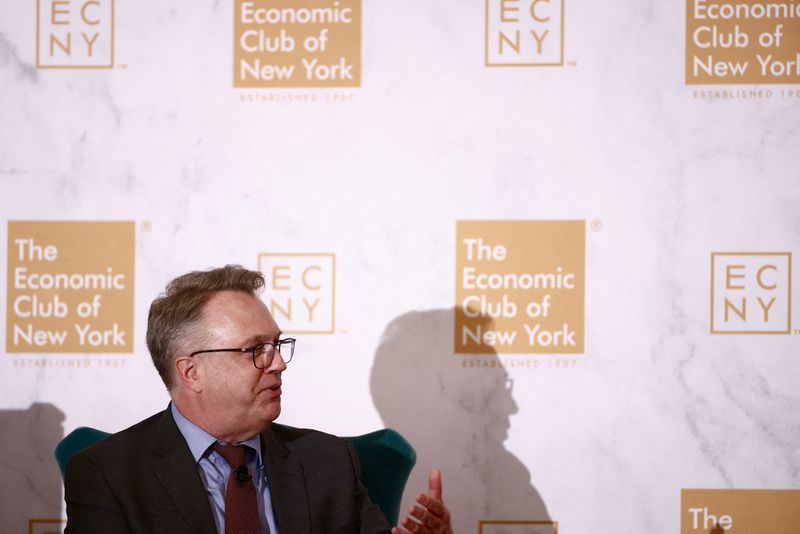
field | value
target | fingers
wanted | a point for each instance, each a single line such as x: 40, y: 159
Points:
x: 426, y: 524
x: 411, y: 526
x: 435, y: 484
x: 436, y: 507
x: 429, y: 514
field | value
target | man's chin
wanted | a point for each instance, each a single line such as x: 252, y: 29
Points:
x: 272, y: 411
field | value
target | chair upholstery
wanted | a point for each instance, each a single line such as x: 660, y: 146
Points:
x: 76, y: 441
x: 386, y: 461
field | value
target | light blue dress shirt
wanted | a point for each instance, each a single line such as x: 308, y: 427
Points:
x: 215, y: 471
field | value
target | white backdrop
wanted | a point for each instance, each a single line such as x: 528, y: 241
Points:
x: 379, y: 176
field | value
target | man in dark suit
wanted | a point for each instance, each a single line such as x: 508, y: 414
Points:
x: 214, y: 461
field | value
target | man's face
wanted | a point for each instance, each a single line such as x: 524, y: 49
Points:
x: 236, y: 396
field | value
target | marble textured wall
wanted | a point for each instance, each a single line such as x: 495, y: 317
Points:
x: 377, y: 173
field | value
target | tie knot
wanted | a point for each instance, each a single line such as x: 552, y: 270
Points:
x: 233, y: 454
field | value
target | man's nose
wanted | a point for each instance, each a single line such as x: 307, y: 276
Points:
x: 277, y: 365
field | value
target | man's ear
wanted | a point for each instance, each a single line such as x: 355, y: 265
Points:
x: 188, y: 373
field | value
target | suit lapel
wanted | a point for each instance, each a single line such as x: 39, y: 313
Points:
x: 173, y: 465
x: 287, y: 485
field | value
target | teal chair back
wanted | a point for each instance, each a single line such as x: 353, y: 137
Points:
x: 76, y: 441
x: 386, y: 461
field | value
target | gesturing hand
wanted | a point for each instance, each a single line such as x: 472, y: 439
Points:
x: 430, y: 514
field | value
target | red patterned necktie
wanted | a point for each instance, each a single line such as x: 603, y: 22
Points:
x: 241, y: 507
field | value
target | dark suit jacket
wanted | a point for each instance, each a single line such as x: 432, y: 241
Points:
x: 144, y: 480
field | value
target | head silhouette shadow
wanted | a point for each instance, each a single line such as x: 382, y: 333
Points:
x: 455, y: 410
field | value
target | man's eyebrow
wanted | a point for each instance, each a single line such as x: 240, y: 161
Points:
x: 262, y: 338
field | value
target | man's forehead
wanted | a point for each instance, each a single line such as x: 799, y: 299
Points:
x: 230, y: 308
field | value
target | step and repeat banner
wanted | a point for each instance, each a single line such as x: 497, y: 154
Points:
x: 554, y: 243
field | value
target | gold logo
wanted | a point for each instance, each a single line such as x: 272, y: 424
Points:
x: 518, y: 527
x: 46, y: 526
x: 524, y: 33
x: 751, y: 292
x: 75, y: 34
x: 70, y: 286
x: 297, y: 43
x: 735, y: 42
x: 301, y: 291
x: 749, y: 511
x: 528, y: 276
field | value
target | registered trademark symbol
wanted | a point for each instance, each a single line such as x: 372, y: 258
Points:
x: 596, y: 225
x: 145, y: 226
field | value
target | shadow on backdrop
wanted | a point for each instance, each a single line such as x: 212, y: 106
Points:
x: 457, y: 419
x: 31, y: 487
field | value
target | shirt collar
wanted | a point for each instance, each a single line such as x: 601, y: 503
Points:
x: 200, y: 441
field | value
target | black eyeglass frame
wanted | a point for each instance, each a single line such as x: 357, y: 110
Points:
x: 255, y: 349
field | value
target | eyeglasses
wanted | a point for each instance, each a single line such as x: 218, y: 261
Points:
x: 263, y: 353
